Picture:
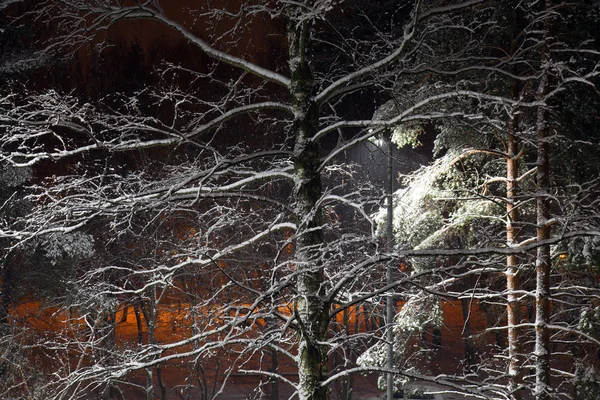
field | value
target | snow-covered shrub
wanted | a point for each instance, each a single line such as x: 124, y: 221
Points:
x: 587, y: 383
x: 420, y: 313
x: 12, y: 177
x: 589, y: 321
x: 58, y: 247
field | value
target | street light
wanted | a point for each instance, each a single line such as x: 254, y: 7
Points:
x: 385, y: 140
x: 390, y: 247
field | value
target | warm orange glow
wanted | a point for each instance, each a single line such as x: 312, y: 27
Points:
x: 176, y: 318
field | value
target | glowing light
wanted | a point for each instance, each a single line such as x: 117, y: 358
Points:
x: 378, y: 141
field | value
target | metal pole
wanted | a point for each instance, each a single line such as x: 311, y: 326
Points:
x: 390, y: 277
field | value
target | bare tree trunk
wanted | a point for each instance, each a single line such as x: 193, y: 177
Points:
x: 542, y: 268
x: 470, y: 355
x: 151, y: 316
x: 115, y: 393
x: 138, y: 321
x: 312, y: 313
x: 106, y: 323
x: 7, y: 286
x: 4, y: 297
x: 513, y: 281
x: 347, y: 381
x: 275, y: 370
x: 542, y: 265
x: 124, y: 314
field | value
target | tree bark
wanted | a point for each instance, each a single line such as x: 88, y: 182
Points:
x: 311, y: 311
x: 347, y: 381
x: 470, y: 354
x: 6, y: 289
x: 151, y: 317
x: 542, y: 265
x: 513, y: 284
x: 275, y: 370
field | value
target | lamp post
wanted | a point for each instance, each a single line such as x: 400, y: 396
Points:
x: 390, y: 247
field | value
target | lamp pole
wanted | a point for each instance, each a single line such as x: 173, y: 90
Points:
x: 390, y: 247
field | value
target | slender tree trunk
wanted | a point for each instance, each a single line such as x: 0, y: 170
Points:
x: 579, y: 369
x: 275, y: 370
x: 513, y: 275
x: 542, y: 265
x: 138, y: 321
x: 148, y: 315
x: 312, y: 313
x: 5, y: 286
x: 124, y: 314
x: 347, y: 381
x: 470, y: 355
x: 513, y: 284
x: 107, y: 324
x: 151, y: 316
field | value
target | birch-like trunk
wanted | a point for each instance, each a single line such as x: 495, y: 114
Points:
x: 312, y: 312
